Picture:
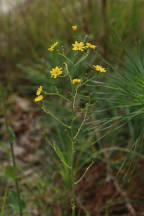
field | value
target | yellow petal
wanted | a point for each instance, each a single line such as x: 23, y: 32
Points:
x: 39, y: 98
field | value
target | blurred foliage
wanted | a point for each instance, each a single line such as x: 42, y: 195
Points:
x: 27, y: 31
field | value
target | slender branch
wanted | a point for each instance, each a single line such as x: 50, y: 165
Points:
x: 63, y: 55
x: 68, y: 73
x: 74, y: 98
x: 85, y: 172
x: 79, y: 129
x: 73, y: 200
x: 56, y: 94
x: 88, y: 80
x: 53, y: 116
x: 82, y: 58
x: 13, y: 159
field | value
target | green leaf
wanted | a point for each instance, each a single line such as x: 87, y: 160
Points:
x: 13, y: 201
x: 10, y: 171
x: 59, y: 154
x: 11, y: 135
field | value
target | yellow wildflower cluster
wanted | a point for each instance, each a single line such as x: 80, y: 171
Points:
x: 55, y: 72
x: 53, y: 46
x: 99, y: 68
x: 80, y: 46
x: 91, y: 46
x: 74, y: 28
x: 38, y: 93
x: 74, y: 81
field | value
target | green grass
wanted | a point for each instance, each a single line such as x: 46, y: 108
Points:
x: 120, y: 100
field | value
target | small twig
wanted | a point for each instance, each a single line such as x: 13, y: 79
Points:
x: 83, y: 121
x: 83, y: 175
x: 53, y: 116
x: 56, y: 94
x: 63, y: 55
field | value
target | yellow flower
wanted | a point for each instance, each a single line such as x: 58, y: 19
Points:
x: 91, y: 46
x: 74, y: 28
x: 78, y: 46
x: 38, y: 98
x: 53, y: 46
x: 39, y: 90
x: 74, y: 81
x: 99, y: 68
x: 55, y: 72
x: 38, y: 93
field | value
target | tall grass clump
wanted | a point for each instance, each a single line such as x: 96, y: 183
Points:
x: 120, y: 108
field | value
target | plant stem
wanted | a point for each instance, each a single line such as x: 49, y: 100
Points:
x: 73, y: 201
x: 16, y: 180
x: 73, y: 181
x: 85, y: 172
x: 53, y: 116
x: 63, y: 55
x: 13, y: 160
x: 74, y: 99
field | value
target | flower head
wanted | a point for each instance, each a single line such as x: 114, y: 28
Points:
x: 78, y: 46
x: 53, y: 46
x: 74, y: 28
x: 38, y: 98
x: 99, y: 68
x: 74, y: 81
x: 55, y: 72
x: 91, y: 46
x: 38, y: 93
x: 39, y: 90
